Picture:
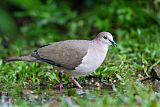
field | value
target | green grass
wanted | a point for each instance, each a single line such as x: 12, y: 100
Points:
x: 123, y: 67
x: 136, y: 29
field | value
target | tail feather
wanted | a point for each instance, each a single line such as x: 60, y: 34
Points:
x: 22, y: 58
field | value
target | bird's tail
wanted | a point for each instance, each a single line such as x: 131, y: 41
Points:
x: 21, y: 58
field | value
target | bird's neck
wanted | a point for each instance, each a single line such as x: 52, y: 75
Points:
x: 100, y: 45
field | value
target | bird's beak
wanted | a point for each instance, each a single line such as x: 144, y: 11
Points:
x: 113, y: 43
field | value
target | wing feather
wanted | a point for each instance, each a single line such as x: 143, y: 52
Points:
x: 67, y: 54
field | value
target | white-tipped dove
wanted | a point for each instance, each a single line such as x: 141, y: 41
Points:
x: 72, y: 57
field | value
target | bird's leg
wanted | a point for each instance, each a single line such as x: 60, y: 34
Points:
x: 75, y: 82
x: 61, y: 82
x: 60, y: 86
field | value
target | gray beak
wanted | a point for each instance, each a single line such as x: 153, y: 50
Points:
x: 113, y: 43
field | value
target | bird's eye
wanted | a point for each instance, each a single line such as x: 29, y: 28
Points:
x: 105, y: 37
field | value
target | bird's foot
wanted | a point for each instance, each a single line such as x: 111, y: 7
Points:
x: 57, y: 86
x: 76, y: 83
x: 60, y: 86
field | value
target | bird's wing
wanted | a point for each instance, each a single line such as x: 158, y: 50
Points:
x: 67, y: 54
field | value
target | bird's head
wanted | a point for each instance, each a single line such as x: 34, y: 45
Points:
x: 106, y: 38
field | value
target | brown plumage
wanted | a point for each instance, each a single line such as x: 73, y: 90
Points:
x: 67, y: 54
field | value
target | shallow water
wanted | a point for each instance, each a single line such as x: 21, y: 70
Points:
x: 48, y: 97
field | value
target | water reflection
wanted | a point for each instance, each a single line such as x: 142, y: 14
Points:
x: 49, y: 97
x: 6, y: 101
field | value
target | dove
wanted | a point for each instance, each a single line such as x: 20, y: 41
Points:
x: 73, y: 58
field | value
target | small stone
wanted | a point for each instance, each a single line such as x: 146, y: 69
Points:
x: 156, y: 86
x: 138, y: 100
x: 52, y: 103
x: 92, y: 80
x: 155, y: 73
x: 86, y: 82
x: 97, y: 84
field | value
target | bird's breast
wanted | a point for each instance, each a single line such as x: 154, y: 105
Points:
x: 93, y: 59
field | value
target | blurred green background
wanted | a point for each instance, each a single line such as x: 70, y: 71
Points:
x: 26, y: 25
x: 31, y: 23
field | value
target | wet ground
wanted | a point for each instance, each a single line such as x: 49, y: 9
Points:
x: 48, y: 97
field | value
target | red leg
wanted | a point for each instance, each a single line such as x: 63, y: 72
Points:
x: 60, y: 86
x: 76, y: 83
x: 61, y: 82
